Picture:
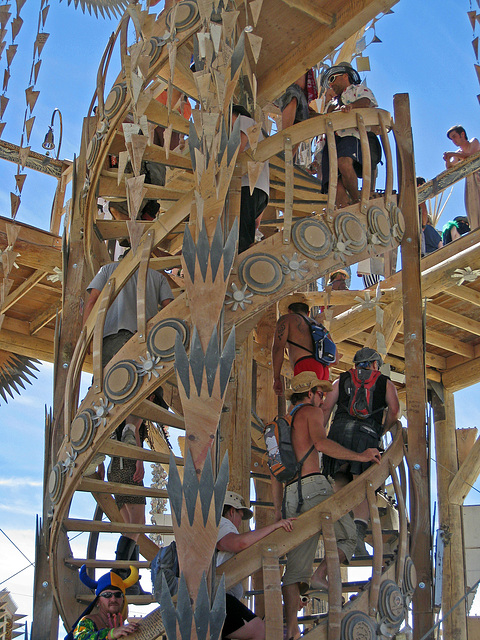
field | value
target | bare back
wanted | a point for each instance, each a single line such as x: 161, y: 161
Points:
x: 297, y: 331
x: 305, y: 418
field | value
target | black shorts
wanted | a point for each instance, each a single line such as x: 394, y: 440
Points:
x: 237, y: 615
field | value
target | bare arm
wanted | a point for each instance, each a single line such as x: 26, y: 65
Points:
x: 393, y: 405
x: 235, y: 542
x: 92, y: 298
x: 278, y: 349
x: 243, y: 141
x: 330, y: 401
x: 288, y: 114
x: 165, y: 302
x: 361, y: 103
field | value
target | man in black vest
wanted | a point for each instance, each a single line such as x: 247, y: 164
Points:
x: 359, y: 420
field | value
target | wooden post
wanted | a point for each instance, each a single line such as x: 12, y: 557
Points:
x: 449, y: 517
x: 273, y: 593
x: 415, y: 371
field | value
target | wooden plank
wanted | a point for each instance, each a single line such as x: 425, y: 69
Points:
x: 151, y: 411
x: 36, y: 161
x: 99, y: 486
x: 108, y: 187
x: 24, y: 345
x: 158, y: 113
x: 287, y: 227
x: 311, y: 8
x: 442, y: 340
x: 122, y: 450
x: 22, y: 289
x: 95, y: 563
x: 453, y: 318
x: 44, y: 318
x: 445, y: 179
x: 73, y: 524
x: 462, y: 376
x: 465, y: 293
x: 415, y: 366
x: 272, y: 593
x: 466, y: 476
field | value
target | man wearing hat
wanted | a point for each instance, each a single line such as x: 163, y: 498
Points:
x: 359, y: 422
x: 293, y: 334
x: 350, y: 94
x: 309, y: 439
x: 240, y: 622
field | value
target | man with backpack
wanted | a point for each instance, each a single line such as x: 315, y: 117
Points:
x: 308, y: 439
x: 361, y: 394
x: 307, y: 342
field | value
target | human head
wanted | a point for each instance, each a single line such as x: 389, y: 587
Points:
x: 297, y: 303
x: 236, y: 501
x: 457, y: 129
x: 366, y: 358
x: 110, y: 581
x: 238, y: 110
x: 420, y: 181
x: 344, y: 74
x: 338, y: 280
x: 306, y: 385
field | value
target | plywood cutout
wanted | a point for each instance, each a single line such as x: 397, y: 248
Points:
x: 45, y: 11
x: 254, y: 171
x: 5, y: 288
x: 135, y: 51
x: 202, y: 80
x: 14, y: 205
x: 135, y: 194
x: 255, y: 45
x: 216, y: 35
x: 8, y: 261
x: 36, y: 69
x: 136, y: 149
x: 23, y: 154
x: 123, y: 158
x: 229, y: 19
x: 129, y: 129
x: 6, y: 78
x: 2, y: 127
x: 28, y: 127
x: 20, y: 4
x: 135, y: 232
x: 16, y: 26
x: 3, y: 105
x: 11, y: 52
x: 475, y: 47
x: 255, y: 8
x: 5, y: 14
x: 20, y: 179
x: 472, y: 16
x: 143, y: 65
x: 40, y: 41
x: 167, y: 137
x: 31, y: 97
x: 136, y: 84
x: 12, y: 234
x: 253, y: 133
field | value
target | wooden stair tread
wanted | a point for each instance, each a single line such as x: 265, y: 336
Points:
x: 95, y: 563
x: 100, y: 486
x: 74, y: 524
x: 116, y: 448
x: 139, y: 600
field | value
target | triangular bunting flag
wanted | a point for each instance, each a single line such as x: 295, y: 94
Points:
x: 201, y: 37
x: 216, y: 35
x: 28, y: 127
x: 255, y: 8
x: 2, y: 318
x: 45, y: 11
x: 363, y: 63
x: 16, y: 26
x: 20, y: 4
x: 31, y: 97
x: 136, y: 85
x: 148, y: 27
x: 135, y: 51
x: 202, y: 80
x: 475, y: 47
x: 205, y: 8
x: 135, y: 231
x: 2, y: 47
x: 255, y: 45
x: 7, y: 284
x: 143, y: 101
x: 477, y: 69
x: 220, y: 83
x: 136, y: 149
x: 254, y: 171
x: 128, y: 129
x: 23, y: 154
x: 122, y: 163
x: 471, y: 16
x: 143, y: 65
x: 20, y: 179
x: 11, y: 51
x: 36, y: 69
x: 197, y: 121
x: 135, y: 194
x: 229, y: 19
x: 2, y: 127
x: 8, y: 259
x: 3, y: 105
x: 253, y: 134
x: 167, y: 137
x: 6, y: 78
x: 172, y: 56
x: 14, y: 204
x: 4, y: 14
x: 40, y: 41
x: 12, y: 234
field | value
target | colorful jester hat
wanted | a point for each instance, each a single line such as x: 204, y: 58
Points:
x: 109, y: 580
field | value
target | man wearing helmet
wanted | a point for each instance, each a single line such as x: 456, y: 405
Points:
x: 350, y: 94
x: 361, y: 394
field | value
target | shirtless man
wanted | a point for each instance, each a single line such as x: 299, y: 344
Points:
x: 293, y: 333
x: 458, y: 136
x: 306, y: 396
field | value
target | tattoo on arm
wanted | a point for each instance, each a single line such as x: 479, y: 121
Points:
x: 281, y: 328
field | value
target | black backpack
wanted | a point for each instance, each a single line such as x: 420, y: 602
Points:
x: 165, y: 563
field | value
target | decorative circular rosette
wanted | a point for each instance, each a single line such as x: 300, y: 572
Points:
x: 313, y: 238
x: 409, y: 583
x: 262, y: 273
x: 184, y: 13
x: 56, y: 481
x: 122, y: 382
x: 358, y: 626
x: 82, y: 430
x: 378, y: 226
x: 351, y: 234
x: 397, y: 223
x: 391, y: 604
x: 161, y: 339
x: 115, y: 100
x: 93, y: 149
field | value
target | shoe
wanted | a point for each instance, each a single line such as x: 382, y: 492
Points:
x: 137, y: 587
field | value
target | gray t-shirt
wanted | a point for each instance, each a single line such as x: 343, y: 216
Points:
x: 123, y: 312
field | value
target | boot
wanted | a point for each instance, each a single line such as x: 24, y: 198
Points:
x: 124, y: 551
x: 136, y: 589
x: 361, y: 549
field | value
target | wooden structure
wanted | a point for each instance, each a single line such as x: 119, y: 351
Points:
x: 213, y: 359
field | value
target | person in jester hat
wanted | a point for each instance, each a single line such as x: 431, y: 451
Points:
x: 105, y: 617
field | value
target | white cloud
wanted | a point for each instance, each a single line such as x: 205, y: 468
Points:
x: 19, y: 482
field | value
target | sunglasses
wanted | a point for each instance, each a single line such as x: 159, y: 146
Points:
x: 334, y: 77
x: 111, y: 594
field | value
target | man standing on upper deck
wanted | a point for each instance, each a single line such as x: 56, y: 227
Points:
x: 294, y: 334
x: 458, y: 136
x: 350, y: 94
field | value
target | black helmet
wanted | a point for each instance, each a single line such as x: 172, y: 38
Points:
x: 367, y: 355
x: 341, y: 67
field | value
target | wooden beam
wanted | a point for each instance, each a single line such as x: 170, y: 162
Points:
x: 462, y: 376
x: 94, y: 563
x: 38, y: 249
x: 453, y: 318
x: 36, y: 161
x: 466, y: 476
x: 122, y: 450
x: 311, y: 8
x: 44, y: 318
x: 158, y: 113
x: 24, y: 345
x: 441, y: 340
x: 90, y: 485
x: 108, y: 187
x: 445, y: 179
x: 465, y: 293
x: 73, y: 524
x: 151, y: 411
x: 22, y: 289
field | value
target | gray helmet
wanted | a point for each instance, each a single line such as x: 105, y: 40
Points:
x: 341, y: 67
x: 367, y: 355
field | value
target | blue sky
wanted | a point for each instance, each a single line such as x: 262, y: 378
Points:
x: 426, y: 51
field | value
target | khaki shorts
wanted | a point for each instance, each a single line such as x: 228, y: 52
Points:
x: 315, y: 489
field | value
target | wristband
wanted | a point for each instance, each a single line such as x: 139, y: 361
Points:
x: 110, y: 634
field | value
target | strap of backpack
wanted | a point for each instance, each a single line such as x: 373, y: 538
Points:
x: 300, y: 465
